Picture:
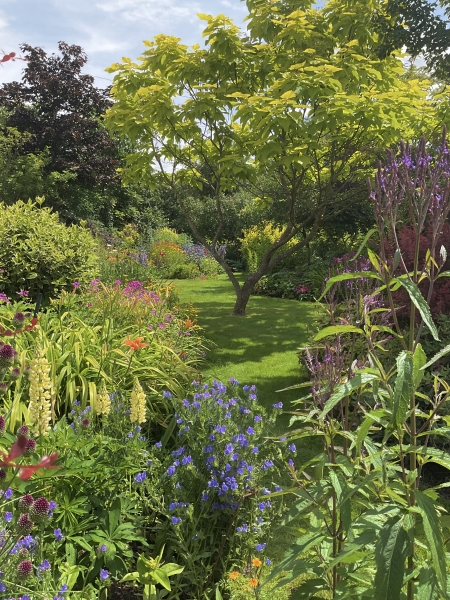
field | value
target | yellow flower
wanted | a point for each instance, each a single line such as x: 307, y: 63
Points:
x: 256, y: 562
x: 253, y: 582
x: 103, y: 404
x: 40, y: 412
x: 233, y: 575
x: 137, y: 404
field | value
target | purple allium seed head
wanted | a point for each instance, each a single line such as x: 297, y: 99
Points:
x: 3, y: 388
x: 18, y: 320
x: 2, y: 425
x: 26, y: 371
x: 7, y: 356
x: 39, y: 509
x: 30, y: 447
x: 14, y: 374
x: 24, y: 569
x: 2, y: 475
x: 24, y: 524
x: 23, y: 430
x: 85, y: 423
x: 25, y: 503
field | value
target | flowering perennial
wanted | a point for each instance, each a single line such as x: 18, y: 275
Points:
x: 40, y: 394
x: 137, y: 404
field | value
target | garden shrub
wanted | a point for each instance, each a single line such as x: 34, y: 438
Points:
x: 40, y: 254
x: 440, y: 297
x: 283, y: 284
x: 168, y: 258
x: 257, y: 240
x: 165, y: 234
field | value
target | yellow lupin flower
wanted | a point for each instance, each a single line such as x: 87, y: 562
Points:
x: 138, y: 404
x: 103, y: 403
x: 40, y: 411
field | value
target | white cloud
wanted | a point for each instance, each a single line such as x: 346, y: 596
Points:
x: 153, y: 12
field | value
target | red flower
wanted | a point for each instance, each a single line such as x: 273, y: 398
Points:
x: 16, y: 450
x: 46, y: 462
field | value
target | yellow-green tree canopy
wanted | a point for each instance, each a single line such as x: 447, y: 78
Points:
x: 300, y: 96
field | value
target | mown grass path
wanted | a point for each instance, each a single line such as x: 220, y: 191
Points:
x: 260, y: 348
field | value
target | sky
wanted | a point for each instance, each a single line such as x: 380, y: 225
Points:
x: 107, y: 30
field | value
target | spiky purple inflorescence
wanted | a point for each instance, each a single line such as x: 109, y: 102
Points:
x: 24, y: 524
x: 2, y: 425
x: 23, y: 430
x: 39, y: 509
x: 26, y: 502
x: 7, y: 356
x: 30, y: 447
x: 24, y: 569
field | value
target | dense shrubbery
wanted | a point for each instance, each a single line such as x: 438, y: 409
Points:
x: 40, y: 254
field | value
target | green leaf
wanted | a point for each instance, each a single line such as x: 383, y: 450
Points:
x: 419, y: 361
x: 218, y: 594
x: 428, y: 588
x: 337, y: 330
x: 344, y: 389
x: 391, y: 551
x: 433, y: 533
x: 172, y: 569
x: 341, y: 489
x: 436, y: 357
x: 161, y: 577
x: 420, y: 303
x: 367, y: 237
x: 403, y: 388
x: 131, y: 577
x: 347, y: 277
x: 365, y: 426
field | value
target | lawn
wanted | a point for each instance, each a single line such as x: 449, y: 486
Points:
x: 260, y: 348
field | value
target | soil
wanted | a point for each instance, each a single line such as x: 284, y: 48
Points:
x: 124, y: 591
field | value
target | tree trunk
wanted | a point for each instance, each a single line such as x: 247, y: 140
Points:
x: 243, y: 296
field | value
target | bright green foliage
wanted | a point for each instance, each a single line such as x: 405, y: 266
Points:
x: 40, y: 254
x: 257, y: 241
x: 302, y: 99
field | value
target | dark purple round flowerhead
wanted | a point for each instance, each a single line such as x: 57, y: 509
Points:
x: 24, y: 569
x: 85, y: 423
x: 24, y: 524
x: 2, y: 475
x: 7, y: 356
x: 14, y: 374
x: 26, y: 371
x: 25, y: 503
x: 3, y: 388
x: 2, y: 425
x: 18, y: 320
x: 30, y: 447
x: 23, y: 430
x: 39, y: 509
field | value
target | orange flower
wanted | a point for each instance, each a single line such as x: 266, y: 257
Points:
x: 233, y: 575
x: 253, y: 582
x: 135, y: 344
x: 256, y: 562
x: 188, y: 324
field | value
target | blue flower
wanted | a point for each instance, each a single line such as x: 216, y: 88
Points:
x: 265, y: 491
x: 277, y: 488
x: 139, y: 478
x: 9, y: 493
x: 268, y: 562
x: 103, y: 548
x: 171, y: 471
x: 167, y: 394
x: 44, y: 566
x: 104, y: 574
x: 186, y: 460
x: 220, y: 428
x: 255, y: 450
x: 186, y: 403
x: 290, y: 462
x: 64, y: 588
x: 8, y: 517
x: 175, y: 520
x: 292, y: 448
x: 205, y: 497
x: 58, y: 534
x: 228, y: 449
x: 245, y: 388
x: 278, y: 405
x: 250, y: 431
x: 2, y: 587
x: 233, y: 381
x: 227, y: 415
x: 260, y: 547
x: 267, y: 464
x: 252, y: 396
x: 179, y: 421
x: 258, y: 419
x: 158, y: 445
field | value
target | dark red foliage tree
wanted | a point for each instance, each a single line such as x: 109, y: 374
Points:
x: 440, y: 297
x: 62, y: 110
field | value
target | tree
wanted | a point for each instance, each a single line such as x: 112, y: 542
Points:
x: 300, y: 97
x: 416, y: 26
x: 60, y: 111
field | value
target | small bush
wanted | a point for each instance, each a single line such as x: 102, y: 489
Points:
x: 284, y: 284
x: 40, y: 254
x: 256, y: 242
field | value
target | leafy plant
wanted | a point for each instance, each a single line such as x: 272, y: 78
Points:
x: 368, y: 528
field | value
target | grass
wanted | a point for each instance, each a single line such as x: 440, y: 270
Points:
x: 260, y: 348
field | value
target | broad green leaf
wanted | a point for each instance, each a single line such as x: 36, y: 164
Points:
x: 428, y: 587
x: 420, y: 303
x: 344, y: 389
x: 391, y: 551
x: 131, y: 577
x: 218, y: 594
x: 161, y: 577
x: 347, y: 277
x: 419, y: 361
x: 171, y: 569
x: 403, y: 388
x: 341, y: 489
x: 365, y: 426
x: 433, y: 534
x: 374, y: 260
x: 337, y: 330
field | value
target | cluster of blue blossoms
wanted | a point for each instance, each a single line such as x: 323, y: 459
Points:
x: 225, y: 449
